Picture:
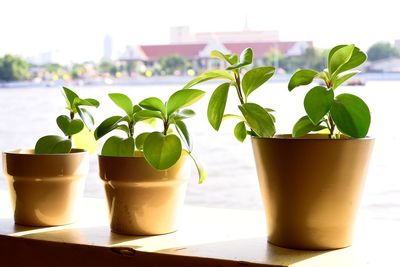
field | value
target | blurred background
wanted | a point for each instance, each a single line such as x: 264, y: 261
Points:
x: 147, y: 48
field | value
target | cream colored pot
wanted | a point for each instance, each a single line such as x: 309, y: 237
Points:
x: 142, y: 200
x: 311, y: 188
x: 45, y: 189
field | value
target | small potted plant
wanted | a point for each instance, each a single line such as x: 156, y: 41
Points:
x: 310, y: 183
x: 145, y: 175
x: 46, y: 183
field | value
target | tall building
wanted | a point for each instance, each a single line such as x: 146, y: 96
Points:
x: 107, y: 48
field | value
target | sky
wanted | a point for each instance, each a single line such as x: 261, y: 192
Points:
x: 77, y: 27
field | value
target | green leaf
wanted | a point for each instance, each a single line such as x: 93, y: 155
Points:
x: 184, y: 134
x: 86, y: 117
x: 357, y: 58
x: 183, y: 114
x: 351, y: 115
x: 240, y: 131
x: 256, y: 77
x: 68, y: 126
x: 216, y: 105
x: 119, y: 147
x: 140, y: 140
x: 161, y: 151
x: 318, y: 102
x: 123, y: 128
x: 122, y: 101
x: 246, y: 58
x: 303, y: 126
x: 340, y: 57
x: 86, y: 102
x: 258, y: 119
x: 342, y: 77
x: 69, y: 96
x: 210, y: 75
x: 147, y: 114
x: 230, y: 58
x: 53, y: 144
x: 107, y: 126
x: 333, y: 50
x: 153, y: 103
x: 200, y: 169
x: 301, y: 77
x: 183, y: 98
x: 232, y: 116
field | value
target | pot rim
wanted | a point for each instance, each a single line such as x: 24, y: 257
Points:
x: 139, y: 155
x: 319, y: 137
x: 30, y: 152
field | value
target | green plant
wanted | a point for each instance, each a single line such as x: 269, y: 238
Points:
x: 255, y: 119
x: 342, y: 114
x: 161, y: 149
x: 52, y: 144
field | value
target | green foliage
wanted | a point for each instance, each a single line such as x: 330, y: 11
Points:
x: 254, y: 118
x: 53, y: 144
x: 161, y: 149
x: 382, y: 50
x: 172, y: 63
x: 344, y: 114
x: 13, y: 68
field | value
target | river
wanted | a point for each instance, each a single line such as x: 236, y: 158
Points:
x: 29, y: 113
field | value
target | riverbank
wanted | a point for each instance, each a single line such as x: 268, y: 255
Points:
x: 168, y: 80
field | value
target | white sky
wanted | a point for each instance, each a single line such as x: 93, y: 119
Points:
x: 77, y: 27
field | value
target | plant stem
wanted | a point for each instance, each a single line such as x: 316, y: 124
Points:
x: 131, y: 129
x: 71, y: 116
x: 238, y: 87
x: 331, y: 126
x: 166, y: 125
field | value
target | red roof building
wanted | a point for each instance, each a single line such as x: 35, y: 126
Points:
x: 194, y: 51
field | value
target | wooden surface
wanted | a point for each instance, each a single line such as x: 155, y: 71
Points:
x: 207, y: 237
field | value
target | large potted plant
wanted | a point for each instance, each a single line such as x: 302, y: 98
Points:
x: 310, y: 183
x: 47, y: 182
x: 145, y: 175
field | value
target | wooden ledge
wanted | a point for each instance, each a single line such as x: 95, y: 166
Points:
x: 207, y: 237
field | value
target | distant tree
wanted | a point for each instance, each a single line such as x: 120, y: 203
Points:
x: 382, y: 50
x: 106, y: 66
x: 173, y: 63
x: 13, y: 68
x: 78, y: 70
x: 273, y: 57
x: 53, y: 68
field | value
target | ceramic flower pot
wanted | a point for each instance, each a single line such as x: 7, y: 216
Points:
x: 311, y: 188
x: 142, y: 200
x: 45, y: 189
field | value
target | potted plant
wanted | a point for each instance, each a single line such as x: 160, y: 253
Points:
x: 145, y: 175
x: 46, y: 183
x: 310, y: 183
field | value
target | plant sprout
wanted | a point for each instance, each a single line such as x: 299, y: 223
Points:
x: 162, y: 149
x: 69, y: 125
x: 342, y: 114
x: 254, y: 120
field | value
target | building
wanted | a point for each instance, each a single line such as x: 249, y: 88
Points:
x: 107, y: 48
x: 199, y: 53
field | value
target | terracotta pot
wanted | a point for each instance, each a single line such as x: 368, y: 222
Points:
x: 45, y: 189
x: 311, y: 188
x: 142, y: 200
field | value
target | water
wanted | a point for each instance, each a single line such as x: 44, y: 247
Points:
x: 29, y: 113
